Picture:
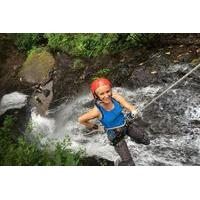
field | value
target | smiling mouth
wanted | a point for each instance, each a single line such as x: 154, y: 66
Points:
x: 108, y: 99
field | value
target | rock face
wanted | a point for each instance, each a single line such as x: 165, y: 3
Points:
x: 37, y: 70
x: 10, y: 61
x: 37, y: 66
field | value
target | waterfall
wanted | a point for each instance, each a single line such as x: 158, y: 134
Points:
x: 173, y: 123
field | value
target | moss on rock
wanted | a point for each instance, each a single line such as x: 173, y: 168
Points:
x: 37, y: 66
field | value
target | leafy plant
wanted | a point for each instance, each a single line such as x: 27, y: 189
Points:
x: 18, y: 151
x: 26, y: 41
x: 141, y: 39
x: 81, y: 44
x: 102, y: 72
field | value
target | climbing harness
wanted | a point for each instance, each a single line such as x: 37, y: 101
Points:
x: 130, y: 118
x: 116, y: 135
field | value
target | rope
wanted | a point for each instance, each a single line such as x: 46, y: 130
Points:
x: 93, y: 131
x: 153, y: 100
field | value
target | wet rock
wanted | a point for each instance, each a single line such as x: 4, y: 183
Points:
x: 41, y: 99
x: 175, y: 117
x: 96, y: 161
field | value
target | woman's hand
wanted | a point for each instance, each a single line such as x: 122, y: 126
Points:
x: 134, y: 113
x: 98, y: 128
x: 95, y: 127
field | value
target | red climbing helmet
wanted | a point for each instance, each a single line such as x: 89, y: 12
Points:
x: 99, y: 82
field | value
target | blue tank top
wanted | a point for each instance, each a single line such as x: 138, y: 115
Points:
x: 113, y: 118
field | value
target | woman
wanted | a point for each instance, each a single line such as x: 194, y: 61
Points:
x: 108, y: 110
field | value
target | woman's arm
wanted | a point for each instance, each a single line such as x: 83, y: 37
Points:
x: 85, y: 118
x: 124, y: 103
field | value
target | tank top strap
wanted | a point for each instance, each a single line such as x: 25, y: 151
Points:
x: 115, y: 102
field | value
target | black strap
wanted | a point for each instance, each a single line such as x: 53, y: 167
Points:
x: 117, y: 135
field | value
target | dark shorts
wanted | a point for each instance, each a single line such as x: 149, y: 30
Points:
x: 116, y: 138
x: 136, y: 133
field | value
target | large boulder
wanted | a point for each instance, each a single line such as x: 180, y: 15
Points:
x: 37, y: 66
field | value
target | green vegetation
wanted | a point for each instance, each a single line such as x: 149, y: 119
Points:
x: 141, y: 39
x: 36, y: 50
x: 78, y: 64
x: 26, y: 41
x: 16, y: 150
x: 82, y: 44
x: 102, y: 72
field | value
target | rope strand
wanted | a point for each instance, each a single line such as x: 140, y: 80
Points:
x: 153, y: 100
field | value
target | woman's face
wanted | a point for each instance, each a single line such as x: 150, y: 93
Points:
x: 104, y: 93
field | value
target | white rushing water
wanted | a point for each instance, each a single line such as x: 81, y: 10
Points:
x: 164, y: 149
x: 12, y: 100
